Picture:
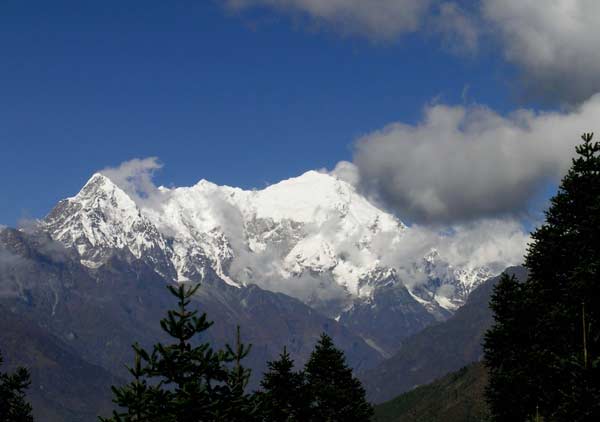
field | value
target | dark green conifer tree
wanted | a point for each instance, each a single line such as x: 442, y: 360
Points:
x: 507, y: 345
x: 335, y: 394
x: 284, y: 394
x: 561, y: 307
x: 234, y: 404
x: 183, y: 382
x: 13, y: 405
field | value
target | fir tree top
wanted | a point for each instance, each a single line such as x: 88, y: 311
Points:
x: 337, y: 395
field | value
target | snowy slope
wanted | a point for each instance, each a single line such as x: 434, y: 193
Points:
x: 313, y: 237
x: 307, y: 224
x: 102, y: 218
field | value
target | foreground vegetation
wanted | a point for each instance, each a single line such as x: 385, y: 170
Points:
x: 456, y: 397
x: 13, y: 406
x: 543, y: 351
x: 185, y: 381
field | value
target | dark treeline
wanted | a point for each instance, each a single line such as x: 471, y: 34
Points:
x: 543, y: 352
x: 182, y: 382
x: 13, y: 406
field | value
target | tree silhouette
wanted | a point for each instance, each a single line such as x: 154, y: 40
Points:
x: 284, y: 395
x: 335, y: 394
x: 548, y: 349
x: 13, y: 406
x: 183, y: 382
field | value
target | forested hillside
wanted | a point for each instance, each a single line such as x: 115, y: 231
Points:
x: 456, y: 397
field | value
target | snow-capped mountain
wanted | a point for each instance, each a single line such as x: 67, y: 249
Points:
x: 310, y: 228
x: 313, y: 237
x: 102, y: 220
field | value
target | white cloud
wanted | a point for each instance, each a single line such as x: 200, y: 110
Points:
x: 347, y: 171
x: 376, y: 19
x: 135, y: 178
x: 460, y: 32
x: 554, y: 43
x: 462, y: 164
x: 491, y: 243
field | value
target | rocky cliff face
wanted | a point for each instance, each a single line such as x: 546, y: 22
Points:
x: 313, y: 237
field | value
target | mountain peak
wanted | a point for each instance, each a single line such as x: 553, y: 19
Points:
x: 316, y: 197
x: 308, y: 178
x: 101, y: 217
x: 315, y: 226
x: 97, y: 179
x: 102, y: 192
x: 203, y: 183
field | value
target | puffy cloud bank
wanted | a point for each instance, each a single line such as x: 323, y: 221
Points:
x: 465, y: 163
x: 553, y: 42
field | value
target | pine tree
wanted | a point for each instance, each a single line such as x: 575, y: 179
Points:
x: 234, y: 403
x: 13, y: 406
x: 506, y: 347
x: 335, y: 394
x: 284, y: 394
x: 180, y: 382
x: 560, y: 306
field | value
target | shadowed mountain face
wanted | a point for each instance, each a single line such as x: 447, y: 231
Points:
x: 456, y: 397
x: 313, y: 237
x: 438, y: 349
x: 64, y: 387
x: 86, y: 319
x: 395, y: 316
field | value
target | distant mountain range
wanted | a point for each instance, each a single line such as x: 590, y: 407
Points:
x: 286, y: 263
x: 438, y: 349
x: 313, y: 237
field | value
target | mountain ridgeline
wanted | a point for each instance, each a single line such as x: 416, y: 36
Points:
x: 438, y: 349
x: 313, y: 237
x: 286, y: 263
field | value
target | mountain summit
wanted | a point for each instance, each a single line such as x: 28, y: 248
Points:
x: 313, y: 237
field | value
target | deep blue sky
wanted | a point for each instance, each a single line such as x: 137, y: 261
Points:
x: 243, y: 101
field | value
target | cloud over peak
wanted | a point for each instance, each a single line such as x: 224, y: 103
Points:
x: 464, y: 163
x: 135, y: 177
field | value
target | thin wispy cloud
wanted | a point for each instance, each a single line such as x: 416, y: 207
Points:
x: 551, y: 43
x: 135, y: 178
x: 380, y: 20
